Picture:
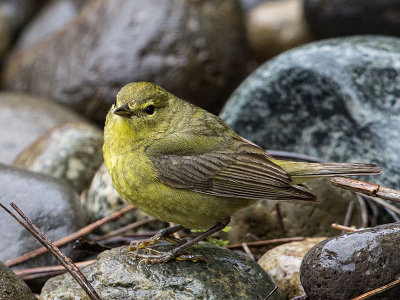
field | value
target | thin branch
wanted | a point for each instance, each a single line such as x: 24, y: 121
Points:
x: 378, y: 290
x: 367, y: 188
x: 247, y: 250
x: 267, y: 242
x: 345, y: 228
x: 64, y: 260
x: 32, y: 273
x: 71, y: 237
x: 122, y: 230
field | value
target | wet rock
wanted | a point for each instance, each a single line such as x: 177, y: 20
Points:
x: 283, y: 262
x: 11, y: 287
x: 261, y: 221
x: 53, y: 16
x: 51, y: 204
x: 180, y: 45
x: 335, y: 99
x: 117, y: 275
x: 23, y: 119
x: 274, y: 27
x: 71, y: 151
x: 102, y: 200
x: 349, y: 265
x: 332, y: 18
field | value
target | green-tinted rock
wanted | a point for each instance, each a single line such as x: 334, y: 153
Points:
x: 52, y: 204
x: 103, y: 200
x: 117, y: 275
x: 11, y: 287
x: 301, y: 218
x: 335, y: 99
x: 180, y: 45
x: 283, y: 262
x: 71, y: 151
x: 23, y: 119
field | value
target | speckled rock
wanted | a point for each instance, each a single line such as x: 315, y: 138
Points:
x: 51, y: 18
x: 71, y: 151
x: 51, y: 204
x: 102, y: 200
x: 261, y: 222
x: 23, y: 119
x: 274, y: 27
x: 332, y: 18
x: 349, y: 265
x: 335, y: 99
x: 283, y: 262
x: 180, y: 45
x: 11, y: 287
x: 117, y: 275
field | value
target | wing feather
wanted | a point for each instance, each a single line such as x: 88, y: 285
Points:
x: 239, y: 170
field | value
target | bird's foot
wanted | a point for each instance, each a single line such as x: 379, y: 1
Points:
x: 162, y: 235
x: 154, y: 256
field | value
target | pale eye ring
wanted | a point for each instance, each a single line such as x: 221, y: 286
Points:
x: 150, y: 109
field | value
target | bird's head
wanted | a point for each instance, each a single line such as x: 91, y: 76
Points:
x: 141, y: 110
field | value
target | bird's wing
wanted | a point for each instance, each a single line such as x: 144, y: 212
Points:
x: 236, y: 168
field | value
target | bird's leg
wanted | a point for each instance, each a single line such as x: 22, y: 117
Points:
x: 178, y: 252
x: 163, y: 234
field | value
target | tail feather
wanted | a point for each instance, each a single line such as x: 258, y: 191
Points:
x: 302, y: 171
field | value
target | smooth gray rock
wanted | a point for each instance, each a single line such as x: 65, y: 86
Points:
x: 25, y: 118
x: 71, y: 151
x: 117, y: 275
x: 336, y: 99
x: 51, y: 204
x: 333, y: 18
x: 349, y: 265
x: 11, y: 287
x: 180, y: 45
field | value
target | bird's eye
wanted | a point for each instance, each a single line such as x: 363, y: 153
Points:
x: 150, y: 109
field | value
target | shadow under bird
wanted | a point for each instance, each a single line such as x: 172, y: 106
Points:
x: 182, y: 164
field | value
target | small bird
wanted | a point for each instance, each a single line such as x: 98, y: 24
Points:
x: 182, y: 164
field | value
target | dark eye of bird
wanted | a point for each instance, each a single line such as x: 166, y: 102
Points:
x: 150, y: 109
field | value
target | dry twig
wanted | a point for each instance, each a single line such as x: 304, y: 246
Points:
x: 71, y: 237
x: 65, y: 261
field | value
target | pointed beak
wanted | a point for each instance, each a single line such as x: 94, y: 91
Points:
x: 123, y: 111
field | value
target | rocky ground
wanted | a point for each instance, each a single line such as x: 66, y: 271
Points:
x: 308, y: 77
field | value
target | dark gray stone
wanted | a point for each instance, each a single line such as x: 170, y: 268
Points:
x: 71, y: 151
x: 53, y: 16
x: 117, y: 275
x: 333, y: 18
x: 103, y: 200
x: 19, y: 12
x: 349, y: 265
x: 23, y: 119
x: 11, y: 287
x: 51, y: 204
x: 336, y: 99
x: 195, y: 49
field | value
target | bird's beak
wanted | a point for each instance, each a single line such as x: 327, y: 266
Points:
x: 123, y: 111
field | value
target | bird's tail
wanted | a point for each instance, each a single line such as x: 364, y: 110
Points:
x: 303, y: 171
